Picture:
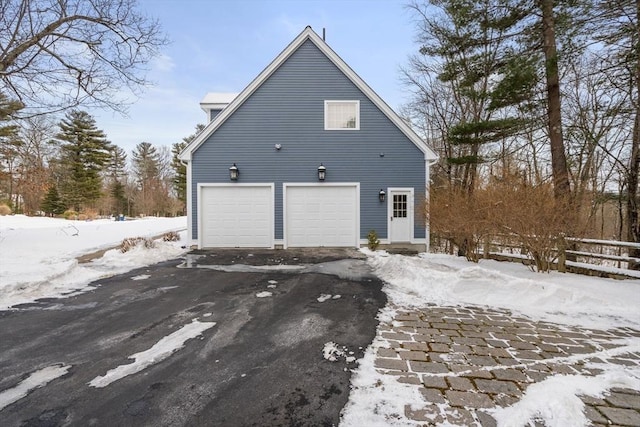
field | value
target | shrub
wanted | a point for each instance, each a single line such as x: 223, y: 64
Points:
x: 170, y: 236
x: 82, y: 217
x: 5, y: 210
x: 508, y: 210
x: 131, y: 242
x: 90, y: 214
x: 70, y: 214
x: 372, y: 240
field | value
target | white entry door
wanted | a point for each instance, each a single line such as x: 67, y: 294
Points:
x: 400, y: 215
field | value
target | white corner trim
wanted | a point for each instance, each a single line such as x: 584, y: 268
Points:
x: 189, y: 193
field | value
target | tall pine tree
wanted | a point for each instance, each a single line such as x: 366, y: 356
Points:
x: 84, y: 153
x: 481, y: 63
x: 146, y: 167
x: 9, y: 144
x: 116, y: 174
x: 179, y: 169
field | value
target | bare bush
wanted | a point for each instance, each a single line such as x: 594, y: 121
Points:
x: 5, y: 210
x: 131, y: 242
x: 460, y: 218
x: 533, y: 218
x: 170, y: 236
x: 70, y: 214
x: 508, y: 211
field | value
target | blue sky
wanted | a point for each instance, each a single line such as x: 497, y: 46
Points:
x: 221, y: 45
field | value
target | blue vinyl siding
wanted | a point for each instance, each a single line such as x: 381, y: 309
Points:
x: 214, y: 113
x: 288, y: 109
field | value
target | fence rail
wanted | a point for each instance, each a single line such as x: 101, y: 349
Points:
x: 607, y: 258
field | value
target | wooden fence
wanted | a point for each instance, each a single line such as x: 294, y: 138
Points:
x: 606, y: 258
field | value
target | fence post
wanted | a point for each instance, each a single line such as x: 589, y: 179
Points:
x: 562, y: 254
x: 487, y: 245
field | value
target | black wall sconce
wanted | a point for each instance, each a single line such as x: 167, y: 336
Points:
x: 322, y: 172
x: 382, y: 195
x: 234, y: 172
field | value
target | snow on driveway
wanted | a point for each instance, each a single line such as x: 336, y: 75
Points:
x: 157, y: 353
x: 35, y: 380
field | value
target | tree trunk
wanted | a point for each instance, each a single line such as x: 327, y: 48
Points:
x: 633, y: 227
x: 562, y: 188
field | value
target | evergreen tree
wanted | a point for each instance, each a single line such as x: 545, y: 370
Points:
x: 145, y: 163
x: 179, y: 169
x: 119, y: 197
x: 116, y: 174
x: 490, y: 77
x: 9, y: 143
x: 84, y: 153
x: 146, y: 168
x: 52, y: 204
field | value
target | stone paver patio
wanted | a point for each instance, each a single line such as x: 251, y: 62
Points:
x: 468, y: 360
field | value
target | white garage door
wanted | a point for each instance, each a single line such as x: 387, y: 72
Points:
x: 324, y: 215
x: 236, y: 216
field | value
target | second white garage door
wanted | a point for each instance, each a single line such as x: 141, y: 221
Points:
x: 236, y: 216
x: 321, y: 215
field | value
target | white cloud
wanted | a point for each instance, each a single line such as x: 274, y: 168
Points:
x: 163, y: 63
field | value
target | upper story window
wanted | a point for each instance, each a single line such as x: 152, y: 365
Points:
x: 341, y: 115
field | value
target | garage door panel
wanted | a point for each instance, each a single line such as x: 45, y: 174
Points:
x: 324, y: 215
x: 236, y: 216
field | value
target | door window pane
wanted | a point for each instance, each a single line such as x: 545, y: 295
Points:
x: 399, y: 205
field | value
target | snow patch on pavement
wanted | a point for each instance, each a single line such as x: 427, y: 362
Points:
x: 160, y: 351
x: 141, y: 277
x: 555, y: 400
x: 326, y: 297
x: 264, y: 294
x: 35, y: 380
x: 323, y: 297
x: 332, y: 352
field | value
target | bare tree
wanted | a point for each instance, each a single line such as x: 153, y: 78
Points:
x: 34, y: 176
x: 59, y: 54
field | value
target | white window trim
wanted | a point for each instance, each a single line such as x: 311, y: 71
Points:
x: 341, y: 101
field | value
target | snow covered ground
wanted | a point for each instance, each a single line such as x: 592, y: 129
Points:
x: 568, y: 300
x: 38, y: 259
x: 38, y: 256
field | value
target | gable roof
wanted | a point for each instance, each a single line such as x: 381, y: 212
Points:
x: 307, y: 34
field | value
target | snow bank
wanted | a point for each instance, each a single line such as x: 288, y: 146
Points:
x: 38, y: 255
x: 562, y: 298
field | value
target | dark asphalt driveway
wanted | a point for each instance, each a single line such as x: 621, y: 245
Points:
x: 262, y: 363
